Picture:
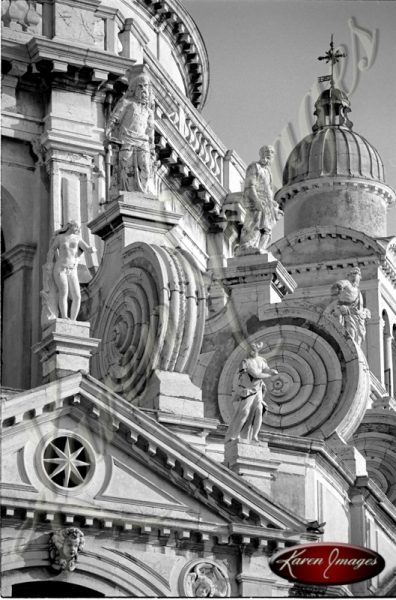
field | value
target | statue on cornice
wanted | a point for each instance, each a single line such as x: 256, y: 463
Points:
x: 262, y: 211
x: 347, y: 306
x: 60, y: 276
x: 130, y: 129
x: 64, y: 546
x: 248, y: 417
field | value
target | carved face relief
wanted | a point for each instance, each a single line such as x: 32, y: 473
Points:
x: 204, y: 579
x: 64, y: 546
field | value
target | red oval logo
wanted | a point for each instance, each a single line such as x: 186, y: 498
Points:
x: 327, y: 564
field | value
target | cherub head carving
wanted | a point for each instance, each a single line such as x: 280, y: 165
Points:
x: 64, y: 546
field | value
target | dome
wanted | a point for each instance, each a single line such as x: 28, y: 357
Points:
x: 334, y: 176
x: 333, y: 151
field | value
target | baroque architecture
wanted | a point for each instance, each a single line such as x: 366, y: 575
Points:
x: 181, y: 397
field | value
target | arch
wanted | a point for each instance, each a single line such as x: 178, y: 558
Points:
x: 106, y: 570
x: 13, y: 221
x: 52, y: 589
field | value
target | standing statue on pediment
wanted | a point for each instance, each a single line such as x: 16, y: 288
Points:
x: 130, y: 131
x: 347, y: 306
x: 262, y: 211
x: 248, y: 417
x: 60, y: 276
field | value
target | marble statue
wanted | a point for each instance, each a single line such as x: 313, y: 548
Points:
x: 131, y: 128
x: 261, y: 209
x: 64, y: 546
x: 60, y: 277
x: 248, y: 417
x: 347, y: 306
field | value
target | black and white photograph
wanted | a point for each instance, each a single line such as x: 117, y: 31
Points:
x: 198, y: 299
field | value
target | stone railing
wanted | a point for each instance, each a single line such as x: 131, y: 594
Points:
x: 22, y: 15
x: 175, y: 111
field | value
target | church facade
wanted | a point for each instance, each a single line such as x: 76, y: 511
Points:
x: 181, y: 397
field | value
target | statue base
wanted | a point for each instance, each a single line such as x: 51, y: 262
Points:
x: 65, y: 348
x: 253, y: 461
x: 256, y: 281
x: 174, y: 393
x: 132, y: 213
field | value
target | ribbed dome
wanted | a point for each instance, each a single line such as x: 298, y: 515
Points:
x: 330, y: 152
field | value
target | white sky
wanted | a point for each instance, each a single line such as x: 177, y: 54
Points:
x: 263, y: 63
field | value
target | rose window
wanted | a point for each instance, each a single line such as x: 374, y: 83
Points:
x: 67, y: 462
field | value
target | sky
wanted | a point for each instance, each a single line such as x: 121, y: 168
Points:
x: 264, y: 69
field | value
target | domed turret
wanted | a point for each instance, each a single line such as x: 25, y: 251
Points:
x: 334, y: 176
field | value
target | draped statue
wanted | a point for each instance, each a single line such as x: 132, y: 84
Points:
x: 347, y: 306
x: 248, y: 417
x: 262, y: 211
x: 130, y: 131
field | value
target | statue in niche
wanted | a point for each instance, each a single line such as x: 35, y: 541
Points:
x: 60, y: 277
x: 261, y: 209
x: 248, y: 417
x: 64, y: 546
x: 206, y: 580
x: 347, y: 306
x: 131, y: 128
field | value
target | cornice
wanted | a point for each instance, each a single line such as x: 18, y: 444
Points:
x: 335, y: 183
x: 176, y: 22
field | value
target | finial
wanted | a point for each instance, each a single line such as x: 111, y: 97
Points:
x: 333, y: 57
x: 332, y: 106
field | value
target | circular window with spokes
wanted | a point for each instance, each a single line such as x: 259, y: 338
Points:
x: 67, y: 462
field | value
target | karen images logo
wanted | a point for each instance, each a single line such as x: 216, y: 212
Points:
x: 327, y: 564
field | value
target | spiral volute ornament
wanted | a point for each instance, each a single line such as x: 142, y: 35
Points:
x: 314, y: 393
x: 152, y: 319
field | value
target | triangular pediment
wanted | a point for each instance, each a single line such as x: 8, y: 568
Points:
x: 128, y: 467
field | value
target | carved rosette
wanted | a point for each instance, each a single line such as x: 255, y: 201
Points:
x: 204, y: 579
x: 152, y: 319
x: 321, y: 388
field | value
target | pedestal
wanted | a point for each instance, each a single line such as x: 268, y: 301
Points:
x: 133, y: 213
x: 253, y: 462
x: 65, y: 348
x: 256, y: 281
x: 173, y: 393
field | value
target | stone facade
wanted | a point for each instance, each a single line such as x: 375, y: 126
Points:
x: 118, y: 475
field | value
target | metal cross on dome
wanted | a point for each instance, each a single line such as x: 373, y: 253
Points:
x: 333, y: 57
